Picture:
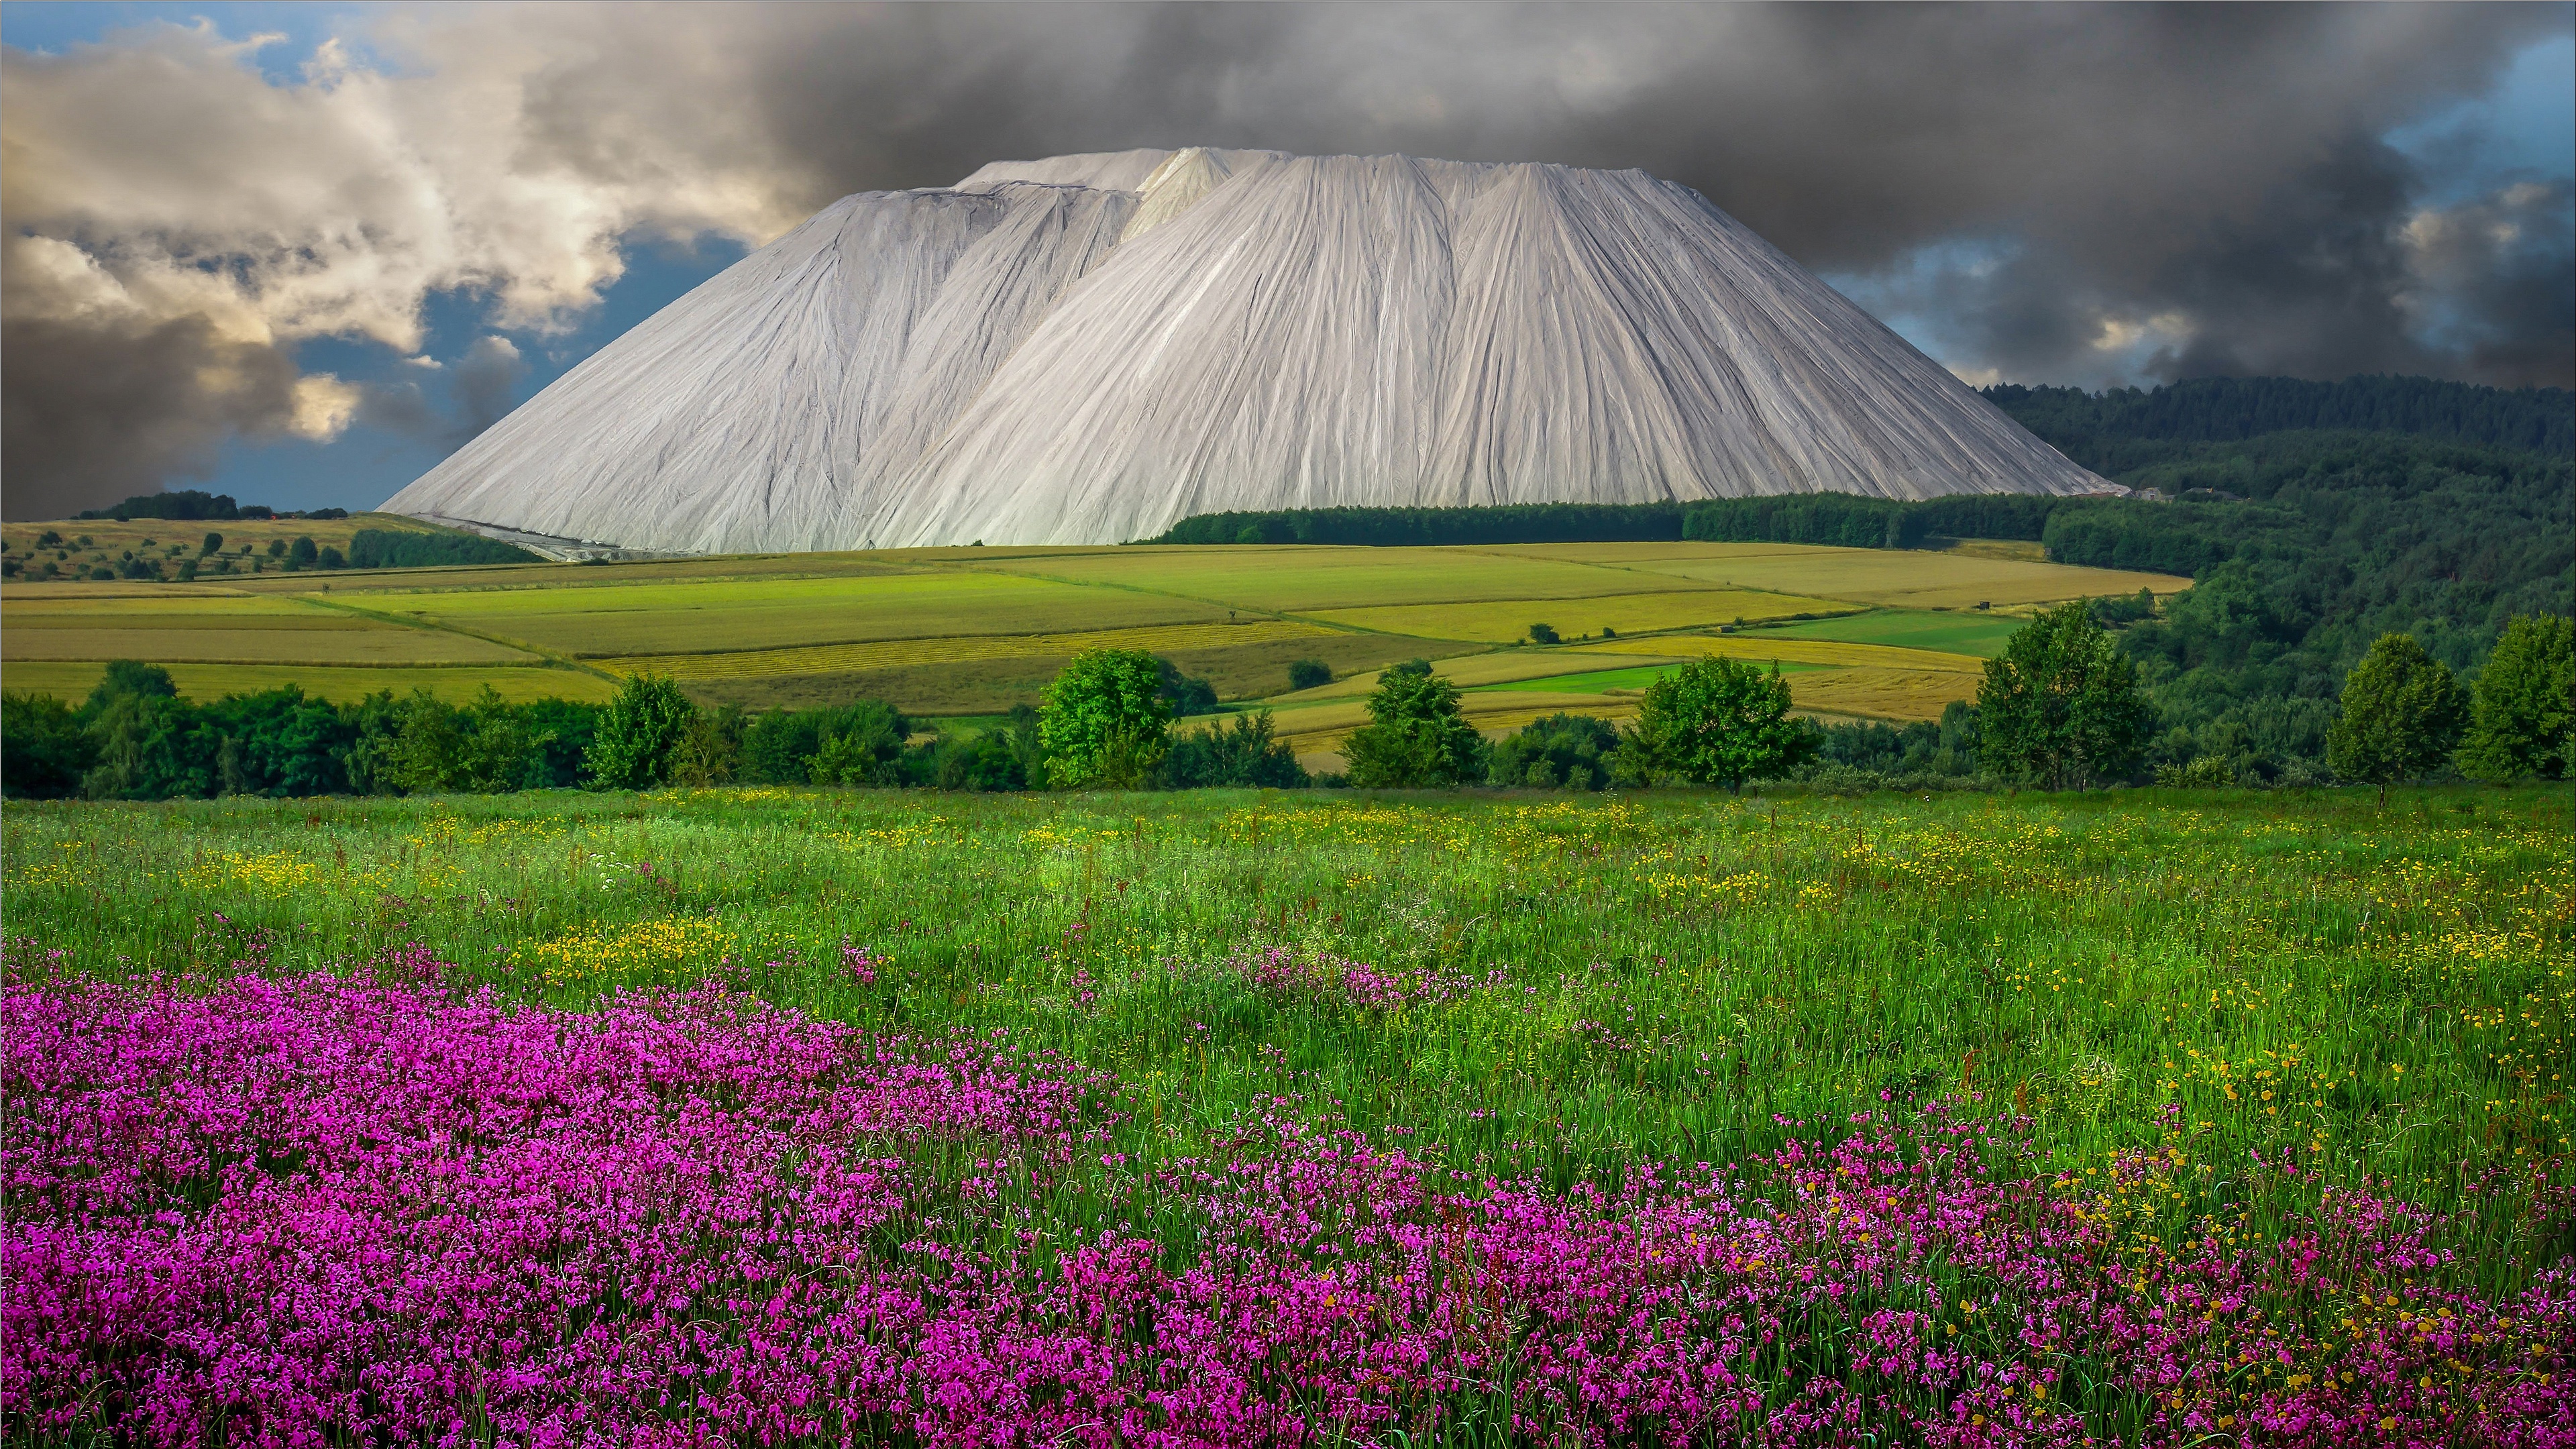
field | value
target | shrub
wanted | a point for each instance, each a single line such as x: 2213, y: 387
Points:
x: 1186, y: 694
x: 2061, y: 707
x: 1417, y: 735
x: 2523, y: 719
x: 487, y: 747
x: 1562, y: 751
x: 44, y: 752
x: 1105, y: 720
x: 1242, y: 753
x: 1721, y: 721
x: 640, y: 734
x: 1309, y: 674
x: 985, y: 761
x: 1542, y: 634
x: 2402, y: 713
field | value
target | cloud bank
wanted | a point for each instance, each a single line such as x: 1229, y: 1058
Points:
x: 2082, y: 193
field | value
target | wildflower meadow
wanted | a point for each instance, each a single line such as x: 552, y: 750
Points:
x: 1233, y: 1118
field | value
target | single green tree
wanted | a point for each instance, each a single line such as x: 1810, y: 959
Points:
x: 1105, y: 721
x: 1309, y: 674
x: 2522, y: 720
x: 640, y: 734
x: 1417, y: 736
x: 2402, y: 713
x: 2061, y: 707
x: 1720, y: 721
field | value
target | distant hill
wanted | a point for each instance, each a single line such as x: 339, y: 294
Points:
x: 2126, y: 428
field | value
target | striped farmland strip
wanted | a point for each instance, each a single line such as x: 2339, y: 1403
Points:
x: 898, y: 653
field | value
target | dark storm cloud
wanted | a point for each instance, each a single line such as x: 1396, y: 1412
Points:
x: 94, y: 413
x: 2214, y: 178
x: 2076, y: 193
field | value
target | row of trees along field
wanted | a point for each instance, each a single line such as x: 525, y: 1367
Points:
x: 2062, y: 708
x: 2314, y: 518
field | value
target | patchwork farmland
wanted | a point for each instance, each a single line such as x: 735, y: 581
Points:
x: 963, y: 633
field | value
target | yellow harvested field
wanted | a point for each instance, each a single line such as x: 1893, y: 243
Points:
x: 341, y: 684
x: 689, y: 618
x: 895, y: 654
x: 1760, y: 647
x: 2027, y: 550
x: 1881, y: 693
x: 1300, y: 580
x: 1467, y: 671
x: 1500, y: 622
x: 1902, y: 578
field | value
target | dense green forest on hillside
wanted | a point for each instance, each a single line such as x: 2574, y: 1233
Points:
x: 2124, y: 428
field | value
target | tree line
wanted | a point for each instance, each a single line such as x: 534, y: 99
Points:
x: 2062, y: 708
x: 2088, y: 426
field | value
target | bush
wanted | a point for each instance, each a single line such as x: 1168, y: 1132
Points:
x: 1417, y: 736
x: 1187, y: 695
x: 1309, y: 674
x: 1242, y: 753
x: 2061, y: 707
x: 487, y: 747
x: 640, y: 734
x: 387, y: 548
x: 1721, y: 721
x: 1542, y: 634
x: 985, y: 761
x: 2402, y: 714
x: 1105, y: 720
x: 1560, y: 752
x: 860, y: 745
x: 44, y: 751
x: 2523, y: 719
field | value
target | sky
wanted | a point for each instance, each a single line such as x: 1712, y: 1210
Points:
x: 298, y: 253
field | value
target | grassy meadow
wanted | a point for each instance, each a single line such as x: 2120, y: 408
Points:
x: 2194, y: 1025
x: 967, y: 633
x: 1683, y: 967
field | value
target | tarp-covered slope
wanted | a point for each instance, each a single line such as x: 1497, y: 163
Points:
x: 1087, y: 348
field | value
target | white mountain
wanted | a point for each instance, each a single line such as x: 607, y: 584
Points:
x: 1088, y: 348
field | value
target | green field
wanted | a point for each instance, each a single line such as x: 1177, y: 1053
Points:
x: 976, y: 631
x: 2202, y: 1020
x: 1981, y: 635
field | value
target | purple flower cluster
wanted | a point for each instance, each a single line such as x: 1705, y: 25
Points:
x: 1287, y: 975
x: 317, y: 1209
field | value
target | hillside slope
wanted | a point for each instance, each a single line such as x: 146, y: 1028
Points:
x: 1087, y: 348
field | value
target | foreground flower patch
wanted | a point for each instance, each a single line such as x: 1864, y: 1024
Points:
x: 292, y: 1210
